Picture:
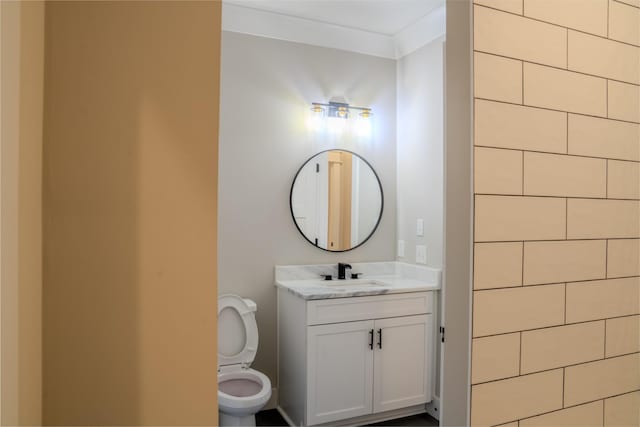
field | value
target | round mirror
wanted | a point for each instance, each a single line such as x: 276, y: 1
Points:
x: 336, y: 200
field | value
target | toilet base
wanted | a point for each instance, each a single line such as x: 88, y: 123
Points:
x: 232, y: 420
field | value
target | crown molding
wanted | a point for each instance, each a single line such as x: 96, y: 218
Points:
x: 272, y: 25
x: 261, y: 23
x: 424, y: 31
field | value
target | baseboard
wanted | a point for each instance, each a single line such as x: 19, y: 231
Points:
x: 284, y: 415
x: 365, y: 419
x: 433, y: 408
x: 376, y: 418
x: 273, y: 401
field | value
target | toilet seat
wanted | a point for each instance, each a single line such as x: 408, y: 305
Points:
x: 234, y: 402
x: 245, y: 309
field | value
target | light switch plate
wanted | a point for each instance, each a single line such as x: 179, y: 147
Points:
x: 400, y: 248
x: 420, y: 227
x: 421, y: 254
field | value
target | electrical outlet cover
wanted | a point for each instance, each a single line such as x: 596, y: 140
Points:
x: 421, y: 254
x: 400, y: 248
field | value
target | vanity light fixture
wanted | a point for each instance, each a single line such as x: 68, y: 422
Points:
x: 338, y: 109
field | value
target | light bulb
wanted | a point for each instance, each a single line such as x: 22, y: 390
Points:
x: 343, y: 112
x: 363, y: 127
x: 315, y: 118
x: 366, y: 113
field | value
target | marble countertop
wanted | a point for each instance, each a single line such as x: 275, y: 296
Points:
x: 377, y: 279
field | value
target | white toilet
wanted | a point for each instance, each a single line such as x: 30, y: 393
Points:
x: 241, y: 391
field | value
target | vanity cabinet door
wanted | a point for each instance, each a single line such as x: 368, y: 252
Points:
x: 339, y: 371
x: 402, y: 362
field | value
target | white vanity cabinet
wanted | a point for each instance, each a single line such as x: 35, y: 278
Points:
x: 340, y: 377
x: 400, y: 366
x: 354, y: 358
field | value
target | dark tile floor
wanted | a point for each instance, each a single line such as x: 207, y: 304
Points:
x: 272, y: 417
x: 415, y: 420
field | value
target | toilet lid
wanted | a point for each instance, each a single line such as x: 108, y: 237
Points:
x: 237, y: 331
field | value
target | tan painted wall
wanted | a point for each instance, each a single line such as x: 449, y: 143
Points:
x: 30, y: 213
x: 22, y: 103
x: 130, y: 205
x: 557, y: 213
x: 9, y: 158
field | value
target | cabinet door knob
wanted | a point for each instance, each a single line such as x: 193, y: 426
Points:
x: 371, y: 339
x: 380, y: 338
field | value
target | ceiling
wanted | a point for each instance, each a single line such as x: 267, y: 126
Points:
x: 386, y: 17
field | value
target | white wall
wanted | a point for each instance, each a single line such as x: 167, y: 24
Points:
x: 420, y: 151
x: 267, y: 87
x: 420, y: 156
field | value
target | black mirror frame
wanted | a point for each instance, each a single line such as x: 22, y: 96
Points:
x: 381, y: 200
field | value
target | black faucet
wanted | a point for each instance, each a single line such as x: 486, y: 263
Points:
x: 342, y: 270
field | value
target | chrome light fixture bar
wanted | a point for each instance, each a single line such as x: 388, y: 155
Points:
x: 339, y: 109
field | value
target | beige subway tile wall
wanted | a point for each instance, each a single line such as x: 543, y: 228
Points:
x: 602, y: 299
x: 497, y: 78
x: 497, y: 265
x: 622, y: 410
x: 602, y: 138
x: 556, y: 306
x: 623, y: 336
x: 512, y: 126
x: 499, y: 311
x: 544, y: 349
x: 514, y: 6
x: 516, y: 37
x: 623, y: 258
x: 600, y: 218
x: 505, y: 218
x: 564, y: 176
x: 589, y: 415
x: 498, y: 171
x: 623, y: 23
x: 596, y: 380
x: 603, y: 57
x: 563, y: 261
x: 491, y: 364
x: 517, y: 398
x: 591, y: 19
x: 635, y: 3
x: 622, y: 179
x: 624, y: 101
x: 556, y: 89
